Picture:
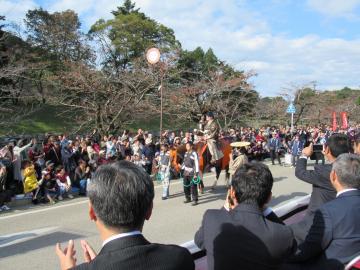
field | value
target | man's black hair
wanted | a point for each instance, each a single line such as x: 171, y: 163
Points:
x: 252, y: 183
x: 338, y: 144
x: 121, y: 194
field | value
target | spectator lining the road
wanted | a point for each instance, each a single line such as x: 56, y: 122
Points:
x: 30, y: 180
x: 69, y: 153
x: 238, y: 235
x: 120, y: 200
x: 322, y: 190
x: 333, y: 239
x: 64, y: 183
x: 82, y: 175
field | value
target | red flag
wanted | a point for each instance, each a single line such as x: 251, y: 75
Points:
x: 334, y: 122
x: 344, y: 120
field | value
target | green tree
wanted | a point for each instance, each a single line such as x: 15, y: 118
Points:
x: 131, y: 33
x: 57, y: 34
x: 127, y: 8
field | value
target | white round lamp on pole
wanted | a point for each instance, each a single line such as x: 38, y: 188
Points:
x: 153, y: 57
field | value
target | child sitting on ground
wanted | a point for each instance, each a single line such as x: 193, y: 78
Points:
x: 64, y: 183
x: 48, y: 187
x: 30, y: 180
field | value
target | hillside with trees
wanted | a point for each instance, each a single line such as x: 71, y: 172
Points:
x: 101, y: 78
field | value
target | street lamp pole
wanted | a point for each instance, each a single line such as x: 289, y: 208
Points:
x: 153, y: 57
x: 161, y: 106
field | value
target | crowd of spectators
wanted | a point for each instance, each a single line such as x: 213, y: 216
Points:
x: 59, y: 165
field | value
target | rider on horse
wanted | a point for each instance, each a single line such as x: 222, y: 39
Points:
x: 212, y: 131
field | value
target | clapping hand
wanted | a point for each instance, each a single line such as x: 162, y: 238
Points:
x: 89, y: 253
x: 67, y: 256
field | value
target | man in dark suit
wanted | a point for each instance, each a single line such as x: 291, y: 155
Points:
x: 274, y: 148
x: 322, y: 190
x: 240, y: 237
x: 121, y: 199
x: 334, y: 236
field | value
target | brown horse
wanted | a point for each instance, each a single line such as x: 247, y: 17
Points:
x: 205, y: 158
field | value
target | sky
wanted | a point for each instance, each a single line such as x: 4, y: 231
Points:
x: 286, y: 42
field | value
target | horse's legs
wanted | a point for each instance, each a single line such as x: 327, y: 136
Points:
x: 227, y: 177
x: 217, y: 171
x: 201, y: 184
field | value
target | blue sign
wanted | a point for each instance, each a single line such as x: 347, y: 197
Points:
x: 291, y: 108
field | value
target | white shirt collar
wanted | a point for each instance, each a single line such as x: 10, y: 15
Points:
x: 121, y: 235
x: 345, y: 190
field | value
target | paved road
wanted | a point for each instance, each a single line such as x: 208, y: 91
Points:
x: 28, y: 235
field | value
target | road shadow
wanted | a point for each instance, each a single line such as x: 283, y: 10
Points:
x: 37, y: 243
x: 5, y: 240
x: 282, y: 198
x: 210, y: 195
x: 176, y: 195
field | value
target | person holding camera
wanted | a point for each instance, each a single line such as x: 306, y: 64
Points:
x: 319, y: 177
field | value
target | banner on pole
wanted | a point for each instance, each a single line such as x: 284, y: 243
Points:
x: 344, y: 120
x: 334, y: 122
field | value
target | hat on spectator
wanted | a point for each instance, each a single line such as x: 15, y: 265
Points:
x: 124, y: 138
x: 49, y: 163
x: 239, y: 144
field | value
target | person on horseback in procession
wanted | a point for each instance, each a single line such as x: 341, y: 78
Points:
x: 212, y: 131
x: 191, y: 170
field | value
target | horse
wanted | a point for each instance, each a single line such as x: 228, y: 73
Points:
x: 205, y: 157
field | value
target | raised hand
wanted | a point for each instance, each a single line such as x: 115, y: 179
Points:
x: 89, y: 253
x: 67, y: 256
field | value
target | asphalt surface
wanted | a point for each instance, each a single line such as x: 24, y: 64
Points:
x: 28, y: 234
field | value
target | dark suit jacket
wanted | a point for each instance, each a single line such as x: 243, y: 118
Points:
x: 135, y: 252
x: 334, y: 237
x: 322, y: 190
x: 243, y: 239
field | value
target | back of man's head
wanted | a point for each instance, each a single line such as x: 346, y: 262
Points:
x: 338, y: 144
x: 121, y: 195
x: 252, y: 183
x: 347, y: 168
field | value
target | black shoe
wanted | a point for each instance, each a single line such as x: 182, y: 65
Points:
x: 194, y: 203
x: 187, y: 201
x: 164, y: 198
